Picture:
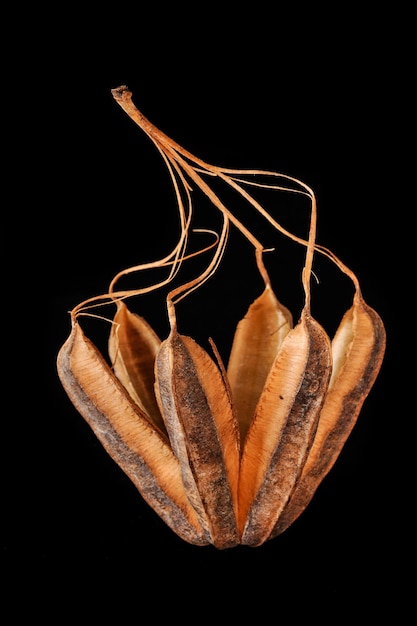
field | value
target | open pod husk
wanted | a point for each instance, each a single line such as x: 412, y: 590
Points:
x: 357, y: 351
x: 203, y: 433
x: 127, y: 434
x: 226, y: 456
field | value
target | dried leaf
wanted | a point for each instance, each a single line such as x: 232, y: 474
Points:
x: 125, y: 432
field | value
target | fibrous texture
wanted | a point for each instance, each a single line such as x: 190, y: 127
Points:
x: 225, y: 455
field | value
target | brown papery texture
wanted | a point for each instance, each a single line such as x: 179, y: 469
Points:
x: 257, y: 339
x: 203, y: 432
x: 133, y: 346
x: 357, y: 349
x: 225, y: 456
x: 124, y: 431
x: 283, y: 428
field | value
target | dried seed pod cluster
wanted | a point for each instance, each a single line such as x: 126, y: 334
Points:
x: 225, y: 455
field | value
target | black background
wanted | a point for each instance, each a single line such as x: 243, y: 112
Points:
x: 267, y: 88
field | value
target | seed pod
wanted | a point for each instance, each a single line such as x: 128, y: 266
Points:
x: 257, y: 340
x: 174, y: 420
x: 126, y: 433
x: 203, y: 431
x: 357, y: 352
x: 282, y: 431
x: 133, y: 346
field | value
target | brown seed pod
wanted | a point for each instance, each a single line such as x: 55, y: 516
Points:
x: 357, y: 352
x: 203, y: 432
x: 133, y: 346
x: 257, y: 339
x: 225, y: 456
x: 283, y: 427
x: 125, y: 432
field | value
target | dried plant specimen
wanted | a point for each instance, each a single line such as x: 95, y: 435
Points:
x: 225, y: 455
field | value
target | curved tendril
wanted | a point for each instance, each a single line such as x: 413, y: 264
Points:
x: 115, y: 296
x: 184, y: 290
x: 177, y: 254
x: 195, y: 168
